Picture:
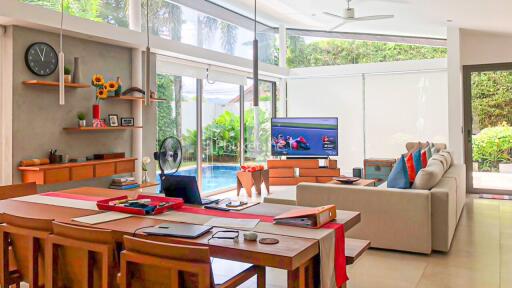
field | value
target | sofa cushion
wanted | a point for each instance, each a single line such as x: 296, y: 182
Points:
x: 448, y: 157
x: 424, y: 159
x: 409, y: 161
x: 428, y: 177
x: 399, y: 177
x: 441, y: 159
x: 418, y: 165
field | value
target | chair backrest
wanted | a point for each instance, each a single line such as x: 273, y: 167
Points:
x: 180, y: 186
x: 17, y: 190
x: 80, y: 257
x: 147, y: 263
x: 25, y: 238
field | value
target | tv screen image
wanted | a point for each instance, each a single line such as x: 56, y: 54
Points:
x: 305, y: 137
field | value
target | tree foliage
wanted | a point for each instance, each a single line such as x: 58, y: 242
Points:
x: 341, y: 52
x: 492, y: 146
x: 491, y: 99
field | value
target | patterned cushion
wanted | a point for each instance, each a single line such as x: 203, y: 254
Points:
x: 418, y: 165
x: 399, y: 177
x: 410, y: 167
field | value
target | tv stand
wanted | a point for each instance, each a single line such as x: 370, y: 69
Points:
x: 283, y: 172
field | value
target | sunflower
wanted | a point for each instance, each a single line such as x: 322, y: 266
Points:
x: 101, y: 94
x: 111, y: 86
x: 98, y: 80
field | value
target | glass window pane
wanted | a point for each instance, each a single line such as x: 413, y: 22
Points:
x: 221, y: 135
x: 108, y: 11
x: 257, y: 124
x: 177, y: 22
x: 316, y: 51
x: 177, y: 117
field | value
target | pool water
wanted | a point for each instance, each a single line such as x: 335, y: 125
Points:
x: 215, y: 177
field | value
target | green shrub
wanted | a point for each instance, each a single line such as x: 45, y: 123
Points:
x: 492, y: 146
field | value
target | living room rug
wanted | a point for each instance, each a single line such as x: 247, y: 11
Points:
x: 495, y: 196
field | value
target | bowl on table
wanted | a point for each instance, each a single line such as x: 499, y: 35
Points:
x: 346, y: 180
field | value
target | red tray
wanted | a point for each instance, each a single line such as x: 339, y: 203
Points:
x: 174, y: 203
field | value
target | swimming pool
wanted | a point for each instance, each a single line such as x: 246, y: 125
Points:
x: 215, y: 177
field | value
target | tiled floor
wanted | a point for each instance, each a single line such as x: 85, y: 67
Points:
x: 481, y: 256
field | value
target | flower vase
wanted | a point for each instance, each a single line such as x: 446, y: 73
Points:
x: 96, y: 111
x: 145, y: 177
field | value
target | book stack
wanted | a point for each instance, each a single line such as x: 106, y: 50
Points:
x: 124, y: 183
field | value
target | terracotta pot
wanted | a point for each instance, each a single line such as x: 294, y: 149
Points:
x: 67, y: 78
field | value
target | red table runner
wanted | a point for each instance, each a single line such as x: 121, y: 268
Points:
x: 339, y: 258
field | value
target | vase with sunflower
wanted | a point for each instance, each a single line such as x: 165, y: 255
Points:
x: 101, y: 93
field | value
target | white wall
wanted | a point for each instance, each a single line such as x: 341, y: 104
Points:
x: 6, y: 71
x: 380, y: 106
x: 340, y: 97
x: 478, y: 47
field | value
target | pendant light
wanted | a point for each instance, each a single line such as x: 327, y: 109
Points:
x: 148, y: 59
x: 255, y: 59
x: 61, y: 58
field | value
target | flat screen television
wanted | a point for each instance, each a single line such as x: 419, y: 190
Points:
x: 305, y: 137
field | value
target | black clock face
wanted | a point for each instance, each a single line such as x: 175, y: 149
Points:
x: 41, y: 59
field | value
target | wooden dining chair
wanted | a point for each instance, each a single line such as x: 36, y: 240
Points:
x: 152, y: 264
x: 17, y: 190
x: 25, y: 238
x: 8, y: 192
x: 81, y: 257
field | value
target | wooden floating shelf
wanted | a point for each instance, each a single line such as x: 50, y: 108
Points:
x: 136, y: 98
x: 55, y: 84
x: 84, y: 129
x: 126, y: 98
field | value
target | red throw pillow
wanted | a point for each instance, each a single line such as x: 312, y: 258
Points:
x: 424, y: 158
x: 409, y: 161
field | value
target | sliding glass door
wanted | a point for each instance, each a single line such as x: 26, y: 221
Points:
x: 177, y: 117
x: 206, y: 117
x: 488, y: 122
x: 220, y: 135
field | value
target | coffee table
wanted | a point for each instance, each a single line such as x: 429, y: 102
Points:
x: 362, y: 182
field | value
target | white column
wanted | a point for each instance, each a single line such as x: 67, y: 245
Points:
x: 135, y: 23
x: 283, y: 51
x: 455, y: 96
x: 6, y: 80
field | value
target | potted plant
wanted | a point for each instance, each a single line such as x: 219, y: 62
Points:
x: 81, y: 119
x: 67, y: 74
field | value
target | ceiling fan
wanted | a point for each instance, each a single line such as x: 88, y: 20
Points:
x: 348, y: 15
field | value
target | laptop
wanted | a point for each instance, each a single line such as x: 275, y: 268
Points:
x: 180, y: 230
x: 184, y: 187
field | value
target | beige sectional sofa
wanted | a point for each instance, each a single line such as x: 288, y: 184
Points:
x: 413, y: 220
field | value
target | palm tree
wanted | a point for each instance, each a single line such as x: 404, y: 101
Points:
x: 207, y: 27
x: 229, y: 37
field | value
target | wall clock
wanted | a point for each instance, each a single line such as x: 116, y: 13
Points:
x: 41, y: 59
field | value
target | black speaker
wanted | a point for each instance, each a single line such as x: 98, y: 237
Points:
x: 357, y: 172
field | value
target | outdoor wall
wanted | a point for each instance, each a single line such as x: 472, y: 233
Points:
x: 380, y: 106
x: 38, y: 118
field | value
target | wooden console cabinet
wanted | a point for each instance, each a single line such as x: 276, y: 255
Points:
x: 60, y: 173
x: 282, y: 172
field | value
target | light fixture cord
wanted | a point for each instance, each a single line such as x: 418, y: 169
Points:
x: 61, y: 21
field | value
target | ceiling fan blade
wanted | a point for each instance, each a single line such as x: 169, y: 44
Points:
x: 332, y: 15
x: 374, y: 17
x: 338, y: 26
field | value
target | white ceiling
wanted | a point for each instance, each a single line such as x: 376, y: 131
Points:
x: 425, y: 18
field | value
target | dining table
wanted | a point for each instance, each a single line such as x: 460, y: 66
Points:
x: 298, y: 256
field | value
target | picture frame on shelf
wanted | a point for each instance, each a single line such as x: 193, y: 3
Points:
x: 127, y: 121
x: 113, y: 120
